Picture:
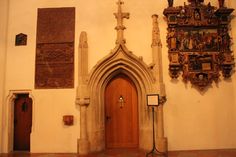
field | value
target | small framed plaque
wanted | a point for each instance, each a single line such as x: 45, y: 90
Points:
x: 152, y: 99
x: 21, y: 39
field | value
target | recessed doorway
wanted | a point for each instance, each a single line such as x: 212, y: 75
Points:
x: 22, y: 122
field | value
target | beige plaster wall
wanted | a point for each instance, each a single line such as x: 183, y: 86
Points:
x: 3, y: 41
x: 193, y: 120
x: 48, y: 132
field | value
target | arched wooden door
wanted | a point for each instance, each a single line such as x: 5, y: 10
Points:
x: 121, y: 113
x: 22, y: 122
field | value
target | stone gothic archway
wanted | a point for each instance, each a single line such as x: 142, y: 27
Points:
x: 120, y: 61
x: 91, y: 88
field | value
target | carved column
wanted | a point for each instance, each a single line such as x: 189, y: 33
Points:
x: 82, y: 98
x: 157, y: 55
x: 161, y: 140
x: 157, y: 69
x: 83, y: 143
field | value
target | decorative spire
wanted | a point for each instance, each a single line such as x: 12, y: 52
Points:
x: 83, y: 58
x: 156, y: 40
x: 120, y: 27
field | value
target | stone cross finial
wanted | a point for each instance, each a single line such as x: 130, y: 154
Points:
x: 120, y: 27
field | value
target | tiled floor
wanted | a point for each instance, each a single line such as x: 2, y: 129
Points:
x: 133, y: 153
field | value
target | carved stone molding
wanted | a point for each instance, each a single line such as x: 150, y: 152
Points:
x: 91, y: 88
x: 146, y: 79
x: 119, y: 61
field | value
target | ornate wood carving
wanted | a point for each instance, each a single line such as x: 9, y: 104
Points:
x: 199, y: 42
x: 55, y: 48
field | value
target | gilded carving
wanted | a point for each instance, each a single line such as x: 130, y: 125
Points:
x: 199, y: 42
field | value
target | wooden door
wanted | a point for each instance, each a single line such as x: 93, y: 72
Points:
x: 22, y: 122
x: 121, y: 113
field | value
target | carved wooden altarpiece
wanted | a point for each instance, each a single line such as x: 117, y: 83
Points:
x: 199, y: 42
x: 55, y: 48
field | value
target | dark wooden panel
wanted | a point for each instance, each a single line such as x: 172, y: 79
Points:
x: 22, y: 122
x: 55, y: 48
x: 55, y: 25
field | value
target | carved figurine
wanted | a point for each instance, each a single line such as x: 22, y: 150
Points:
x: 221, y: 3
x: 225, y: 40
x: 197, y: 14
x: 155, y: 32
x: 172, y: 39
x: 170, y: 2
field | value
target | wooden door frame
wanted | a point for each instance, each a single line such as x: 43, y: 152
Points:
x: 9, y: 132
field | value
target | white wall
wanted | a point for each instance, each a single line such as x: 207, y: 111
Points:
x: 193, y: 120
x: 3, y: 35
x: 48, y: 134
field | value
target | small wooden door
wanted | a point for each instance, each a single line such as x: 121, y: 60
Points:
x: 22, y: 122
x: 121, y: 113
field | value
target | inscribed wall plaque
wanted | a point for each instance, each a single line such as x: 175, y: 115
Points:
x: 55, y: 48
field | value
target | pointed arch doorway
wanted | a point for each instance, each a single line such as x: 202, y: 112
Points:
x: 119, y: 62
x: 90, y: 97
x: 121, y: 113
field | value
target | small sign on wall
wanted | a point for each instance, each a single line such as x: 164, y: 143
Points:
x: 153, y: 99
x: 21, y: 39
